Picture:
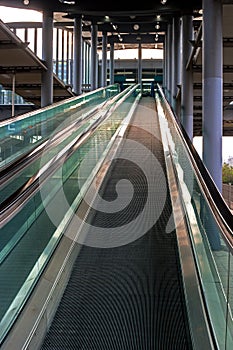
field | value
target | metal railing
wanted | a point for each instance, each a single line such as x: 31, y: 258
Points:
x: 210, y: 227
x: 28, y: 229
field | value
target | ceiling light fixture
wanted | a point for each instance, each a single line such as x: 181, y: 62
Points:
x: 163, y: 2
x: 67, y: 2
x: 26, y: 2
x: 114, y: 26
x: 136, y: 27
x: 119, y: 37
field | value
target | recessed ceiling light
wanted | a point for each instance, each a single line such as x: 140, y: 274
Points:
x: 68, y: 2
x: 136, y: 27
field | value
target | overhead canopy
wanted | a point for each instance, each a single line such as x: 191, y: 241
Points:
x: 18, y: 62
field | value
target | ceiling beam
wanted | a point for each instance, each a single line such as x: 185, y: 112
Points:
x: 227, y: 68
x: 19, y: 69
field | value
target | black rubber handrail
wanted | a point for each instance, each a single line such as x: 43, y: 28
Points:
x: 216, y: 202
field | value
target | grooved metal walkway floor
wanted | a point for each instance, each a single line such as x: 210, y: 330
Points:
x: 128, y: 297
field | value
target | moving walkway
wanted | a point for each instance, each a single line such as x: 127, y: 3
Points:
x: 134, y: 247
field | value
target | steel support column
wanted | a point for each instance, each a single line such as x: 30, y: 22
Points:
x: 94, y: 70
x: 111, y: 64
x: 77, y: 67
x: 13, y: 96
x: 140, y: 65
x: 47, y: 56
x: 165, y: 48
x: 213, y: 89
x: 187, y: 76
x: 176, y: 66
x: 104, y: 60
x: 169, y: 62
